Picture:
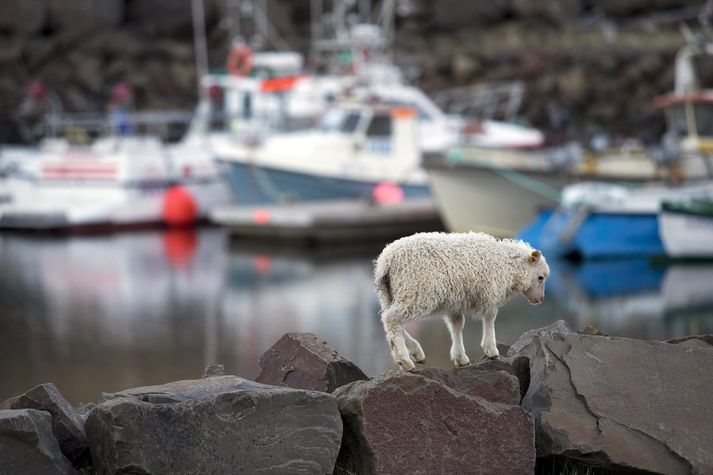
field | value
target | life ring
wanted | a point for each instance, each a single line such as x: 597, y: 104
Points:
x: 240, y: 61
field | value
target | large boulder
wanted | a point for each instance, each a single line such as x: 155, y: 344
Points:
x: 620, y: 403
x: 525, y: 340
x: 67, y: 424
x: 27, y: 444
x: 221, y: 424
x: 304, y: 361
x: 492, y: 383
x: 408, y: 423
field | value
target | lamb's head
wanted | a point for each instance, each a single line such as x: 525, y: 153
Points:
x: 538, y: 271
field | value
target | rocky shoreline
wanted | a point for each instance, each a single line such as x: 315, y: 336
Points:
x: 605, y: 404
x: 597, y: 66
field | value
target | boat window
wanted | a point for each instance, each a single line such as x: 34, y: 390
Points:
x: 351, y: 123
x: 704, y: 119
x: 380, y: 126
x: 676, y: 115
x: 331, y: 120
x: 247, y: 105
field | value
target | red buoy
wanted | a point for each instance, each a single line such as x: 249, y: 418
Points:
x: 180, y: 246
x: 179, y: 207
x: 387, y: 193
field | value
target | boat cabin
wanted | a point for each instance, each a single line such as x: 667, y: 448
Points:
x: 689, y: 108
x: 690, y: 118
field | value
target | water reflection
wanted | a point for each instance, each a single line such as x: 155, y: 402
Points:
x: 637, y: 298
x: 104, y: 313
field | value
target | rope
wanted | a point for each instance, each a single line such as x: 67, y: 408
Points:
x: 519, y: 178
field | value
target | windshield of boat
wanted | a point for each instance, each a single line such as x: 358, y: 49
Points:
x: 338, y: 120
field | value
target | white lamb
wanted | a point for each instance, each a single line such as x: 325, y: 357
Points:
x: 453, y: 274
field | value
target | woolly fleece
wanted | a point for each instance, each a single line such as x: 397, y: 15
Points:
x: 442, y: 273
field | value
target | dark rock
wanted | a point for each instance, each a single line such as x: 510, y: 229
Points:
x: 303, y: 361
x: 525, y: 340
x: 491, y: 384
x: 621, y: 403
x: 555, y: 11
x: 521, y: 366
x: 67, y: 424
x: 707, y: 339
x: 174, y: 17
x: 408, y: 423
x: 23, y: 16
x: 222, y: 424
x: 503, y: 348
x: 213, y: 370
x: 452, y: 14
x: 27, y: 444
x: 85, y: 14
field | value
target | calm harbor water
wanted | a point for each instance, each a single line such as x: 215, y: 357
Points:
x: 104, y: 313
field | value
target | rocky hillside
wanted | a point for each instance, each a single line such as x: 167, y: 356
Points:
x: 586, y: 68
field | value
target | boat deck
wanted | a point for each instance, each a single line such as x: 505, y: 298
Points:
x: 330, y: 221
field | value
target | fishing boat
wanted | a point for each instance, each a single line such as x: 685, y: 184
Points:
x: 599, y: 220
x: 355, y: 148
x: 271, y: 124
x: 686, y: 227
x: 499, y: 191
x: 116, y: 181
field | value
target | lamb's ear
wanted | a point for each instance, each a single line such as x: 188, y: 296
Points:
x: 535, y: 256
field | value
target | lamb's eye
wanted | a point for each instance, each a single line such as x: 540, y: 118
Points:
x: 541, y: 278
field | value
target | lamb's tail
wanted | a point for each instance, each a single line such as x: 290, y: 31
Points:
x: 383, y: 284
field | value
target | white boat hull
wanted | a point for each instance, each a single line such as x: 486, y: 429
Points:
x: 63, y: 207
x: 479, y: 199
x: 685, y: 235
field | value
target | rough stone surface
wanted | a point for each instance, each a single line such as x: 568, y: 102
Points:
x: 407, y: 423
x: 27, y: 444
x: 222, y: 424
x: 560, y: 326
x: 213, y: 370
x: 697, y: 339
x: 622, y: 403
x: 489, y: 383
x: 304, y: 361
x: 67, y: 423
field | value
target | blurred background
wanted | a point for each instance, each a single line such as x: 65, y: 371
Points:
x: 130, y: 157
x: 587, y: 66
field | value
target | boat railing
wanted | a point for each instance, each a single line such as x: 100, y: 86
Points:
x: 501, y: 100
x: 168, y: 125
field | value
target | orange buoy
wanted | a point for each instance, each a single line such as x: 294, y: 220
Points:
x: 179, y: 207
x: 240, y: 61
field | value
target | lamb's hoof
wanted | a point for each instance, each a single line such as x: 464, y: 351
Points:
x: 491, y: 353
x: 418, y: 357
x: 406, y: 365
x: 460, y: 361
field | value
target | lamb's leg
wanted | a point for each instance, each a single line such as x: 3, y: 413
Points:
x: 455, y: 323
x: 488, y: 343
x: 393, y: 327
x: 414, y: 348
